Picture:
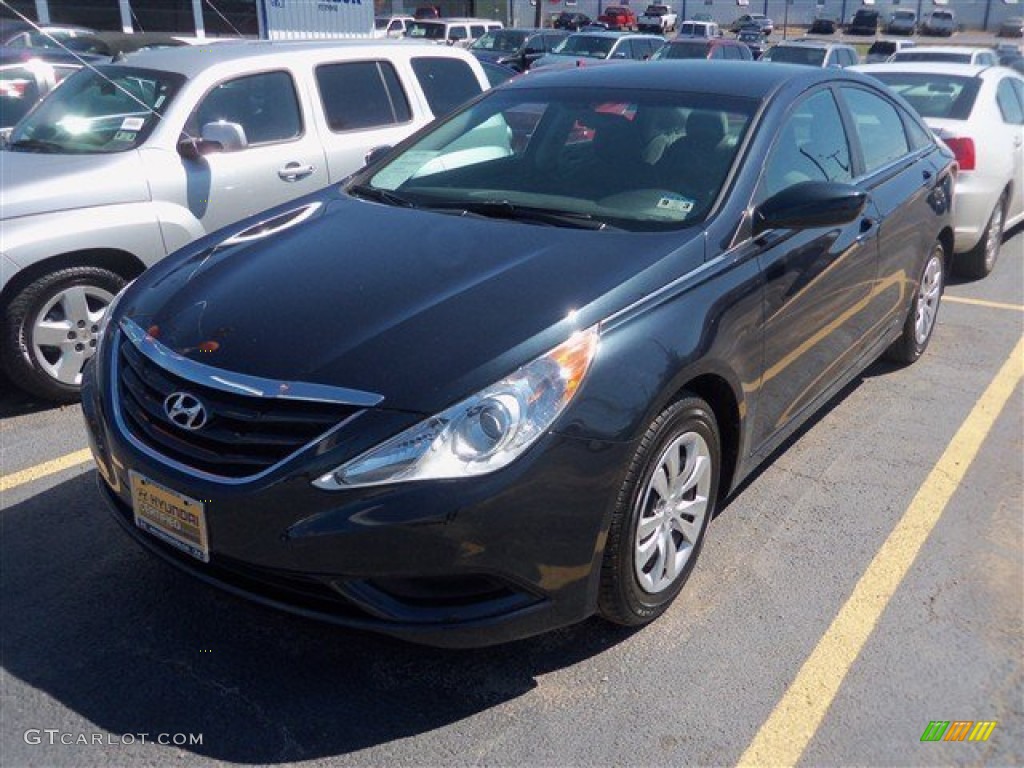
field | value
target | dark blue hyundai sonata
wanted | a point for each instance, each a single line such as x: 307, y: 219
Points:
x: 500, y: 379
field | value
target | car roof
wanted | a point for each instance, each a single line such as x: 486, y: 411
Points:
x: 734, y: 78
x: 190, y: 60
x: 968, y: 49
x: 811, y: 43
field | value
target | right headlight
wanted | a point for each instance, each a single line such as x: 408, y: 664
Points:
x: 482, y: 433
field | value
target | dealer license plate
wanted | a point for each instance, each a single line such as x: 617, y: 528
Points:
x: 172, y: 517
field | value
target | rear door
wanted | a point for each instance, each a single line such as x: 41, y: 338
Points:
x: 1010, y: 99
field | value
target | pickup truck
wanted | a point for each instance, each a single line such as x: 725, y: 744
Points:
x: 618, y: 17
x: 125, y: 163
x: 659, y: 19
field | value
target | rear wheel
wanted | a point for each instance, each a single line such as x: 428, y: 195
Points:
x: 917, y: 330
x: 662, y: 514
x: 981, y: 260
x: 51, y: 329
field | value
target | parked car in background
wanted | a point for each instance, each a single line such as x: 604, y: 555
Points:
x: 940, y: 23
x: 19, y: 34
x: 978, y: 111
x: 461, y: 32
x: 902, y: 22
x: 125, y: 163
x: 949, y: 54
x: 602, y: 45
x: 28, y: 74
x: 1012, y: 27
x: 391, y: 26
x: 881, y: 50
x: 658, y: 19
x: 517, y: 48
x: 766, y: 24
x: 618, y: 17
x: 114, y: 44
x: 866, y: 21
x: 754, y: 39
x: 694, y: 28
x: 571, y: 21
x: 446, y: 434
x: 814, y: 53
x: 824, y: 25
x: 702, y: 48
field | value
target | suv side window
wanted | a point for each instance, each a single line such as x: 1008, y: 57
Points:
x: 265, y: 105
x: 457, y: 33
x: 1009, y: 104
x: 812, y: 146
x: 446, y: 82
x: 477, y: 30
x: 879, y: 128
x: 361, y: 94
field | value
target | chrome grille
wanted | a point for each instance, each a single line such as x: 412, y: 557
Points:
x: 243, y: 435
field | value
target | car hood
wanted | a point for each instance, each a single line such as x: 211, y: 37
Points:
x: 34, y: 183
x: 422, y: 308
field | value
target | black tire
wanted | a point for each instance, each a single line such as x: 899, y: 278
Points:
x: 979, y: 261
x: 17, y: 344
x: 622, y: 598
x: 911, y: 344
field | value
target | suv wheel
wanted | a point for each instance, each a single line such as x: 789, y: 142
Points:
x: 52, y: 327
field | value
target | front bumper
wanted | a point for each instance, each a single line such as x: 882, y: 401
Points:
x: 450, y: 563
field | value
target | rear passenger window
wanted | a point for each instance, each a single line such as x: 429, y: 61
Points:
x: 477, y: 30
x: 446, y: 82
x: 1009, y: 105
x: 361, y: 94
x: 265, y: 105
x: 457, y: 33
x: 879, y: 128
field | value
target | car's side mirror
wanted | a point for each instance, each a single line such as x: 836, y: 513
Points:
x: 224, y: 136
x: 810, y: 204
x: 376, y: 154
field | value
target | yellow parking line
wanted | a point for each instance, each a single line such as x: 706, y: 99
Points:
x: 39, y: 471
x: 983, y: 303
x: 786, y: 733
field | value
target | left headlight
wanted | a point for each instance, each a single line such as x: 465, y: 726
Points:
x: 482, y: 433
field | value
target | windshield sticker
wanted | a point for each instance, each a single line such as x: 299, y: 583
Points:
x: 133, y: 123
x: 127, y: 136
x: 676, y: 203
x: 401, y: 170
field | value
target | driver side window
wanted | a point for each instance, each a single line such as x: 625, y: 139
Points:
x: 265, y: 105
x: 811, y: 146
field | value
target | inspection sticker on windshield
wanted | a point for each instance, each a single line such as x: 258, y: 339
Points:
x: 128, y: 136
x: 676, y: 203
x: 133, y: 123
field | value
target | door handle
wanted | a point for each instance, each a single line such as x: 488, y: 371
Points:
x: 867, y: 226
x: 1017, y: 140
x: 295, y: 171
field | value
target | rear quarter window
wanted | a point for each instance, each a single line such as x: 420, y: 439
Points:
x: 446, y: 82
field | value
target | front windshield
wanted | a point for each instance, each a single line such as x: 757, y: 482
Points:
x: 501, y: 41
x: 590, y: 46
x: 792, y: 54
x: 904, y: 16
x: 582, y: 157
x: 101, y: 110
x: 425, y: 30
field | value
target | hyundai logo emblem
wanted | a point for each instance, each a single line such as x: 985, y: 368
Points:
x: 185, y: 410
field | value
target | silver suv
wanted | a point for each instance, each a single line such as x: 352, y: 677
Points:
x: 125, y: 163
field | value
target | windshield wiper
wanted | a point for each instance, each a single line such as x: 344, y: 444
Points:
x: 380, y: 195
x: 36, y: 145
x: 503, y: 209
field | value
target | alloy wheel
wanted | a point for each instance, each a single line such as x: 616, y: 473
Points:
x: 65, y: 331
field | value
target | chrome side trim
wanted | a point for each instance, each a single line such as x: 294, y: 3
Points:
x: 240, y: 383
x: 115, y: 395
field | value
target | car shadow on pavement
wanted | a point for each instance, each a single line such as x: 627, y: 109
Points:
x: 133, y: 646
x: 14, y: 402
x: 1008, y: 235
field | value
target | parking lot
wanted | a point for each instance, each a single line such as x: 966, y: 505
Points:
x: 868, y: 581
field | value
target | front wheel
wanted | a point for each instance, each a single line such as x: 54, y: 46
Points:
x: 52, y: 327
x: 662, y: 513
x: 920, y: 322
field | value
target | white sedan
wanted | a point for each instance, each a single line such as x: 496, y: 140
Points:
x: 979, y: 112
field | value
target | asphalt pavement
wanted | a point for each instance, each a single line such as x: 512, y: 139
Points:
x: 107, y: 651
